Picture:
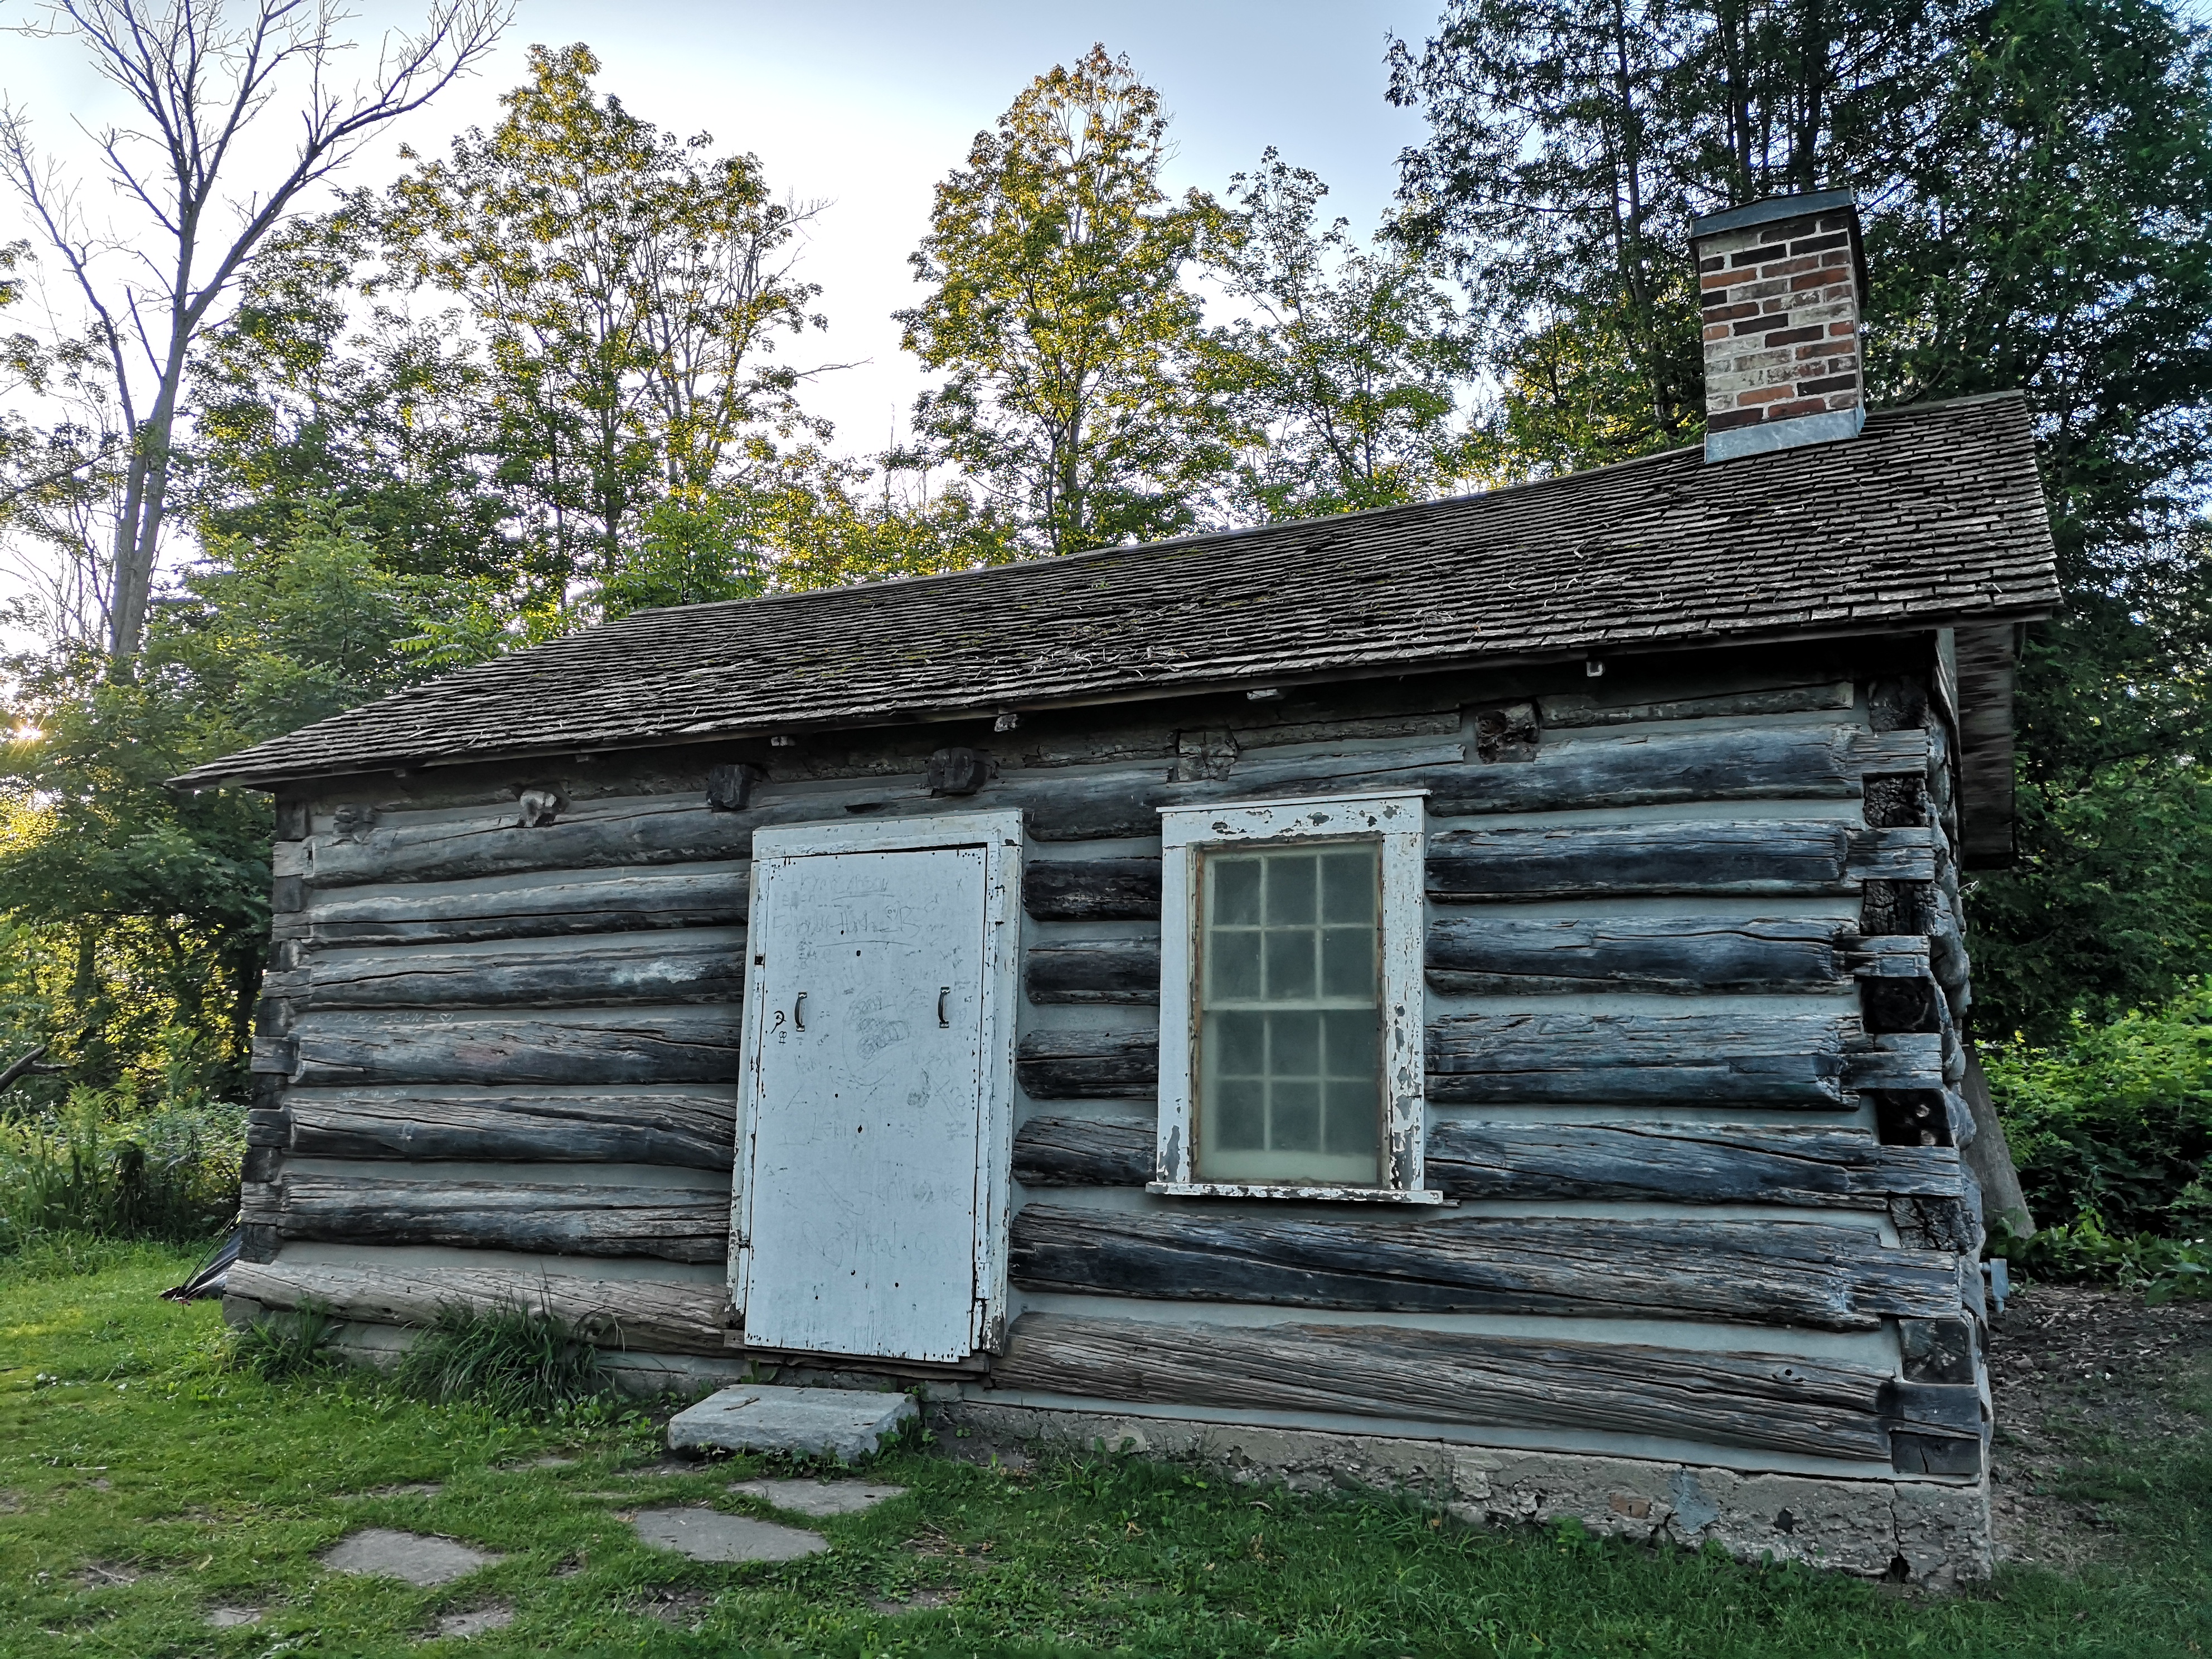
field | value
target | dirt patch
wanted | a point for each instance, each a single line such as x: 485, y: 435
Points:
x: 685, y: 1609
x: 918, y: 1601
x: 2081, y: 1371
x: 101, y: 1575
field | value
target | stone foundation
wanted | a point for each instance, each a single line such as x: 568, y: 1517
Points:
x: 1932, y: 1533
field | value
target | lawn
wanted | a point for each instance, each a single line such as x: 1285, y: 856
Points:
x: 142, y: 1485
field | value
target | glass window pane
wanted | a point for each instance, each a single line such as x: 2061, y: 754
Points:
x: 1290, y: 963
x: 1236, y: 891
x: 1348, y: 962
x: 1348, y: 1041
x: 1241, y: 1115
x: 1294, y: 1045
x: 1237, y: 1044
x: 1347, y: 885
x: 1289, y: 1073
x: 1351, y: 1122
x: 1294, y: 1116
x: 1290, y: 888
x: 1233, y: 962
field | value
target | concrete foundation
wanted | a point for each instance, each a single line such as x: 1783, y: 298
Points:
x: 1933, y: 1533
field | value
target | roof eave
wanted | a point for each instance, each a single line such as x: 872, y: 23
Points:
x: 215, y: 775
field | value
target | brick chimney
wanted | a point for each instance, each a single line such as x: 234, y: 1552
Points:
x: 1781, y: 282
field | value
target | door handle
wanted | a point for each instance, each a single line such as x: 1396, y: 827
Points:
x: 944, y: 992
x: 799, y: 1012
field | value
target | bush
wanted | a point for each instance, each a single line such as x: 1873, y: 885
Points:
x: 101, y: 1165
x: 278, y: 1345
x: 2114, y: 1126
x: 2161, y: 1268
x: 510, y: 1358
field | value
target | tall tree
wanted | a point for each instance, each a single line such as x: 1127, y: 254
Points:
x: 2036, y: 179
x: 199, y: 75
x: 631, y: 287
x: 305, y: 396
x: 1341, y: 377
x: 1060, y: 319
x: 1568, y: 145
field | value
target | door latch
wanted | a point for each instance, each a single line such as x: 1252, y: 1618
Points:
x: 943, y: 991
x: 799, y: 1012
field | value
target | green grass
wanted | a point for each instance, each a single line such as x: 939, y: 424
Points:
x: 129, y: 1441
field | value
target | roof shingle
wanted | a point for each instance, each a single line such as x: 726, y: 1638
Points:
x: 1933, y: 515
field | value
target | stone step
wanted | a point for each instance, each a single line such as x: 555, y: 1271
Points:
x: 847, y: 1424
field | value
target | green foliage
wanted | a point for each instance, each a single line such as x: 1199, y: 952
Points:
x: 1059, y: 317
x: 140, y: 914
x: 1341, y: 384
x: 2036, y: 181
x: 222, y: 1489
x: 101, y: 1166
x: 630, y: 289
x: 2160, y: 1269
x: 2115, y: 1123
x: 510, y: 1359
x: 279, y: 1346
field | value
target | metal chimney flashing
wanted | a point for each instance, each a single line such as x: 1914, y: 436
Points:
x: 1773, y: 208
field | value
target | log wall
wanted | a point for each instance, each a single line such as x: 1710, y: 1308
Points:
x: 1693, y: 960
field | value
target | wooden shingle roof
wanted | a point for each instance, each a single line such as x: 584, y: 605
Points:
x: 1933, y: 516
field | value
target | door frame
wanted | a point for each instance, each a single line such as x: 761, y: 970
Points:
x: 999, y: 834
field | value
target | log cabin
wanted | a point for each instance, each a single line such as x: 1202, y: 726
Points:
x: 1464, y: 996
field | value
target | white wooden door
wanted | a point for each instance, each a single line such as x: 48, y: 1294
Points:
x: 863, y: 1181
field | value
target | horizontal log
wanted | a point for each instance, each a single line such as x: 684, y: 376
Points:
x: 1752, y: 761
x: 1571, y: 709
x: 688, y: 1131
x: 460, y: 912
x: 673, y: 1225
x: 1092, y: 889
x: 1816, y: 855
x: 1794, y: 1273
x: 1688, y: 1165
x: 1558, y: 1059
x: 1682, y: 955
x: 1768, y: 1402
x: 1545, y: 1162
x: 644, y: 1315
x: 1800, y: 1059
x: 1110, y: 971
x: 1089, y: 1065
x: 658, y: 1045
x: 634, y: 833
x: 1085, y: 1152
x: 679, y: 970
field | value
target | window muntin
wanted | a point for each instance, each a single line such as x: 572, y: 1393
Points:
x: 1289, y: 1051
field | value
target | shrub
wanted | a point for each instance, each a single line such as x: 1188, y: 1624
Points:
x: 2161, y: 1268
x: 508, y: 1357
x: 99, y: 1164
x: 278, y: 1345
x: 2115, y: 1124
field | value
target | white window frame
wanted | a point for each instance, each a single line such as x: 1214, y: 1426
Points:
x: 1398, y: 822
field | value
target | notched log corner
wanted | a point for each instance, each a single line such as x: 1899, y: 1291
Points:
x: 1508, y: 732
x: 958, y: 771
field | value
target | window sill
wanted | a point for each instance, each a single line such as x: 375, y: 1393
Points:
x: 1309, y: 1194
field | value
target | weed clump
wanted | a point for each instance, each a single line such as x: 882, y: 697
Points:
x: 276, y: 1346
x: 102, y: 1164
x: 516, y: 1359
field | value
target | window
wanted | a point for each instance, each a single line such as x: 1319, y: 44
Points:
x: 1289, y: 1066
x: 1290, y: 1008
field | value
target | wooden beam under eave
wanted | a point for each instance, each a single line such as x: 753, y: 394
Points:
x: 1988, y: 657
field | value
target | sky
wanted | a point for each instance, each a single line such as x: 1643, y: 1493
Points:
x: 863, y: 105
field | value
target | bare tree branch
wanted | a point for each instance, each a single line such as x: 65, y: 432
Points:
x: 30, y: 1065
x: 200, y: 72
